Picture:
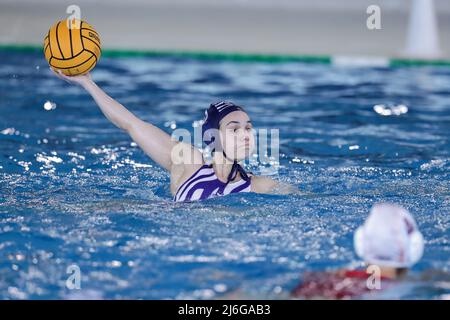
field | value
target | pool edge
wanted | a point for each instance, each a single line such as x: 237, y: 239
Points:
x: 252, y: 57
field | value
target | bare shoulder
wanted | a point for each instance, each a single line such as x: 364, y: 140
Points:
x: 186, y: 160
x: 262, y: 184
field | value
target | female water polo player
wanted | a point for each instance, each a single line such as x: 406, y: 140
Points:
x: 227, y: 130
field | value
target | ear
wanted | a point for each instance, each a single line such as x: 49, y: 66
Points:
x: 358, y: 241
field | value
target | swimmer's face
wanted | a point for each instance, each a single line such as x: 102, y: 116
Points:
x: 236, y: 135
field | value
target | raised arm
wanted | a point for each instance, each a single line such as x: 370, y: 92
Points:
x: 156, y: 143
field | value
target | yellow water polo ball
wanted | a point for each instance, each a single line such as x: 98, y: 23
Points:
x: 72, y: 46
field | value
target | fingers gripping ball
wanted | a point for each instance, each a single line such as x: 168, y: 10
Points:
x: 74, y: 49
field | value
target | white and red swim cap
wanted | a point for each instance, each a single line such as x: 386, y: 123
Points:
x: 389, y: 237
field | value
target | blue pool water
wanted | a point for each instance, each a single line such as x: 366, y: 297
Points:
x: 75, y: 190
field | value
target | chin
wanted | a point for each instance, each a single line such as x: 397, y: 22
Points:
x: 243, y: 153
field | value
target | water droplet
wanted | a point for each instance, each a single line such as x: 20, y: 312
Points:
x: 48, y: 105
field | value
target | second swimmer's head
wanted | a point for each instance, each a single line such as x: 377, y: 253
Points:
x: 227, y: 128
x: 389, y: 238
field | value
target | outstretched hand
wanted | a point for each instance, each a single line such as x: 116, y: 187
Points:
x: 80, y: 80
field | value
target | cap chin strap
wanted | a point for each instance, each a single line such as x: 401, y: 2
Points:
x: 235, y: 169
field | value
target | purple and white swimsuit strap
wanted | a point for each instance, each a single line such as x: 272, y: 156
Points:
x: 204, y: 184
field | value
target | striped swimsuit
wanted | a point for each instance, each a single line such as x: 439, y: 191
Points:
x: 204, y: 184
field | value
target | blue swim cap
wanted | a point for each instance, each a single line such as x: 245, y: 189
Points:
x: 214, y: 114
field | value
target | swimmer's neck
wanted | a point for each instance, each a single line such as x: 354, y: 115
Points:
x: 222, y: 166
x: 393, y: 273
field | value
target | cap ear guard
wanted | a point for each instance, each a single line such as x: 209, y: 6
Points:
x: 358, y: 241
x: 211, y: 138
x: 416, y: 241
x: 416, y: 246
